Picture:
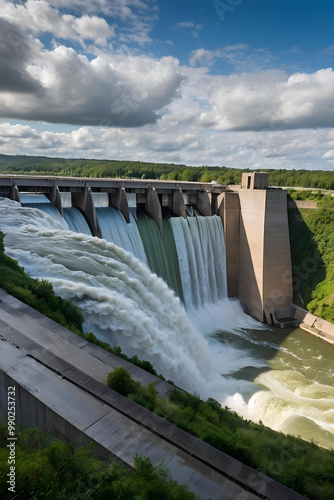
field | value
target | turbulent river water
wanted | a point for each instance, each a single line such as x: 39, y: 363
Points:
x: 282, y: 377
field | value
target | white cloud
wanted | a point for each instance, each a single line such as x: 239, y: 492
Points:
x: 40, y: 17
x: 329, y: 154
x: 240, y: 57
x: 281, y: 149
x: 93, y: 28
x: 18, y: 131
x: 269, y: 100
x: 62, y: 86
x: 56, y: 16
x: 202, y: 57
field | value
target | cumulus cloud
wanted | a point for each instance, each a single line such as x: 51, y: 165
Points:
x: 15, y: 48
x: 132, y: 20
x: 66, y: 87
x: 267, y: 149
x: 40, y: 17
x: 18, y: 131
x: 126, y: 105
x: 268, y: 100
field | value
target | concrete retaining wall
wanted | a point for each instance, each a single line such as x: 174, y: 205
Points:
x: 302, y: 204
x: 58, y: 386
x: 315, y: 325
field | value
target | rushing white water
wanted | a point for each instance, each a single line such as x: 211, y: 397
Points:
x: 122, y: 301
x: 42, y: 203
x: 294, y: 387
x: 201, y: 251
x: 114, y: 228
x: 76, y: 221
x: 283, y: 378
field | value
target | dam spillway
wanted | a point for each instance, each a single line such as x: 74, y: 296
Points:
x: 126, y: 304
x: 254, y: 217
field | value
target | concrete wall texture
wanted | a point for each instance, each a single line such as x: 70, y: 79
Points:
x: 258, y: 250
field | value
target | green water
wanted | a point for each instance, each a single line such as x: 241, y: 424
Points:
x: 286, y: 380
x: 161, y: 252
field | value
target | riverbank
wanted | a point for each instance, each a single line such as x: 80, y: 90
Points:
x: 315, y: 325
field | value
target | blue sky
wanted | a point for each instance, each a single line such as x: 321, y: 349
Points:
x: 242, y: 83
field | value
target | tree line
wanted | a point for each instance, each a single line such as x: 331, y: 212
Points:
x: 39, y: 165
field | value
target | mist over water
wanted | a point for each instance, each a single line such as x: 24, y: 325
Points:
x: 283, y: 378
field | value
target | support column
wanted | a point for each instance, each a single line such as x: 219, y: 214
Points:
x: 84, y: 201
x: 179, y: 207
x: 153, y: 207
x: 203, y: 203
x: 54, y: 197
x: 118, y: 200
x: 265, y: 284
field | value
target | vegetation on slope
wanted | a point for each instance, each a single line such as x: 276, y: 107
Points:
x: 312, y: 248
x: 37, y: 293
x: 39, y: 165
x: 47, y: 468
x: 298, y: 464
x: 324, y: 201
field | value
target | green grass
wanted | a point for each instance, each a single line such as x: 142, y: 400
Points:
x: 46, y: 468
x: 300, y: 465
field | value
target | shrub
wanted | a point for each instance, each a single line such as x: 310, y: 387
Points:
x: 121, y: 381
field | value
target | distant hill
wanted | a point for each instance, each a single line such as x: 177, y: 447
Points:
x: 80, y: 167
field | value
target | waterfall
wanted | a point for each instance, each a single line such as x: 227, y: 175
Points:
x: 42, y: 203
x: 76, y: 220
x: 206, y: 343
x: 123, y: 302
x: 201, y: 250
x: 161, y: 252
x: 114, y: 228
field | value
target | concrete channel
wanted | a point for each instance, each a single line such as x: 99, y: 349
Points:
x: 60, y: 385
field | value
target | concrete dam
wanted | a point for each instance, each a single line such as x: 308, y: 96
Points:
x: 209, y: 243
x: 254, y: 217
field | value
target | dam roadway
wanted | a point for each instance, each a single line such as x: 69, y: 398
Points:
x: 60, y: 385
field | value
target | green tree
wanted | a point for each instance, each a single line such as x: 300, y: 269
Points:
x: 121, y: 381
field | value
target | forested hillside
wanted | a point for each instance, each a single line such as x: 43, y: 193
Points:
x: 312, y: 249
x: 39, y: 165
